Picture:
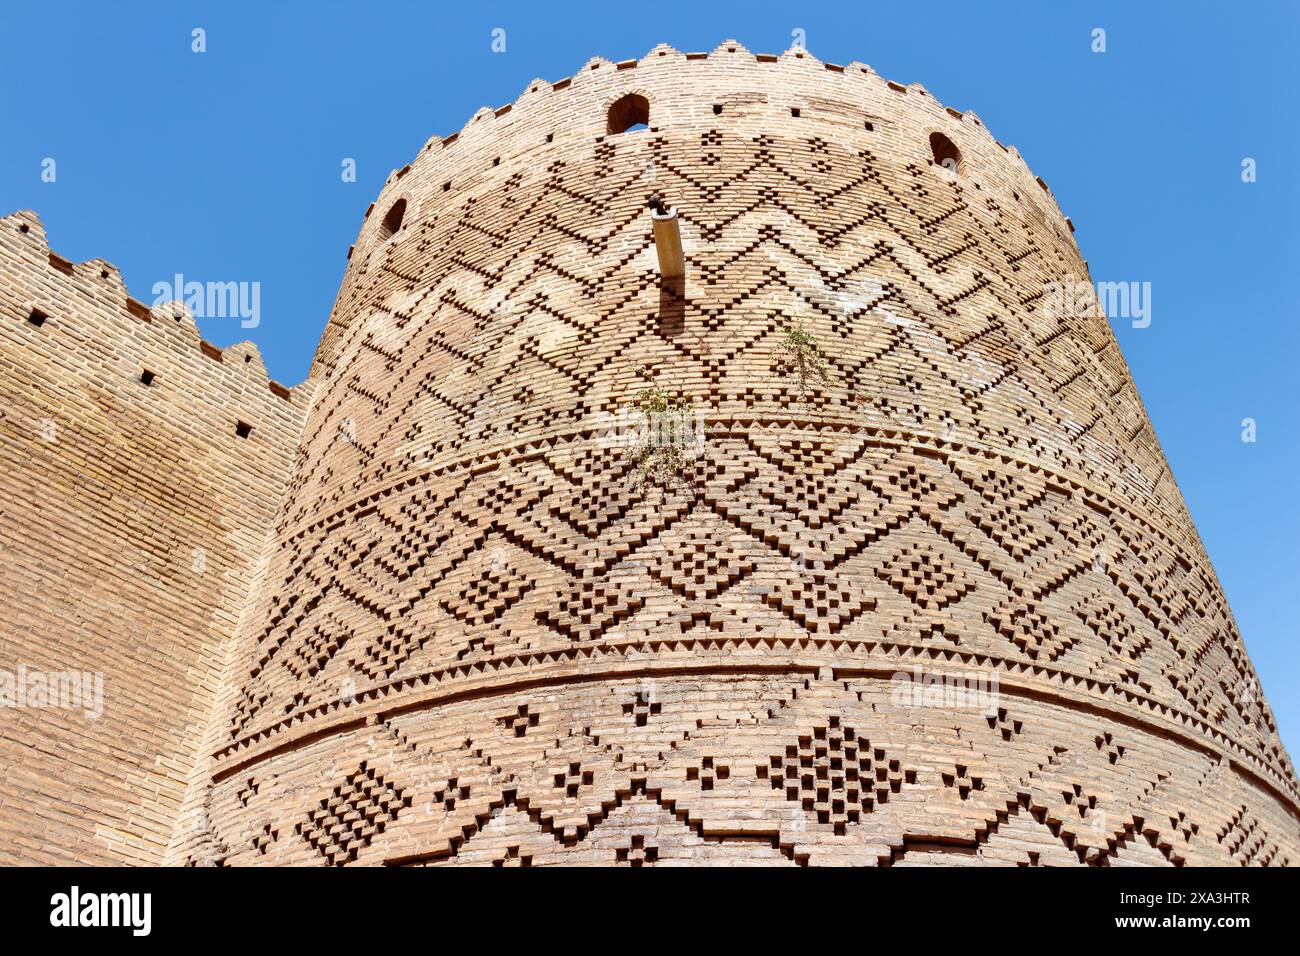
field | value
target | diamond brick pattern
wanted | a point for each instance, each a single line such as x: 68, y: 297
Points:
x: 349, y: 819
x: 964, y: 481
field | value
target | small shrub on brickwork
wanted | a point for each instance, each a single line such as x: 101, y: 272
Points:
x: 666, y: 438
x: 802, y: 358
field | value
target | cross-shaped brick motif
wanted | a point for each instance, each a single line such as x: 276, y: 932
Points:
x: 449, y: 793
x: 572, y: 779
x: 707, y: 773
x: 1183, y: 825
x: 642, y: 708
x: 264, y: 838
x: 1113, y: 750
x: 1083, y: 802
x: 964, y: 783
x: 1004, y: 724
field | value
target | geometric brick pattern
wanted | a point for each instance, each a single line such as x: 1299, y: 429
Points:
x: 831, y: 774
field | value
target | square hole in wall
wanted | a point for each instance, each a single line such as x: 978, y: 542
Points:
x: 146, y: 377
x: 243, y: 429
x: 717, y: 109
x: 794, y: 111
x: 37, y: 317
x: 869, y: 125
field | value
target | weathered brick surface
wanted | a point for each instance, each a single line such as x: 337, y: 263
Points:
x: 131, y: 518
x: 476, y: 638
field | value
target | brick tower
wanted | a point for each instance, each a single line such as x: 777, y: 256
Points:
x: 920, y: 590
x: 482, y: 637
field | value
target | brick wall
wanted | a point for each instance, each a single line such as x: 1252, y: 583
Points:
x: 131, y: 519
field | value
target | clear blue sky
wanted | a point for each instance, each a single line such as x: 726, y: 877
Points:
x: 226, y: 166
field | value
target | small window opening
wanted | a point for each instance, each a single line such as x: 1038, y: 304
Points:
x: 945, y: 152
x: 869, y: 125
x: 243, y: 429
x: 37, y: 318
x: 717, y: 109
x: 550, y: 137
x: 392, y: 220
x: 146, y: 377
x: 446, y: 187
x: 629, y: 113
x: 794, y: 111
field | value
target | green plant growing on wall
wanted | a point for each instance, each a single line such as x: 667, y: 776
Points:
x: 801, y: 356
x: 666, y: 440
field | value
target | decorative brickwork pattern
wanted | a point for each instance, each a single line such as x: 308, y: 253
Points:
x: 505, y: 648
x: 132, y: 521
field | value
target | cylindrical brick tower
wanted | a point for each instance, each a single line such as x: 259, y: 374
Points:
x: 924, y: 589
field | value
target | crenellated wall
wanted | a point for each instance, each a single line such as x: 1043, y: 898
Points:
x: 132, y: 517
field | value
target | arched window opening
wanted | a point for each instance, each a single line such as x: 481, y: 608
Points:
x: 631, y: 112
x: 392, y: 220
x: 945, y: 152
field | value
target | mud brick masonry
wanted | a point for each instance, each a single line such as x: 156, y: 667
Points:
x: 418, y: 611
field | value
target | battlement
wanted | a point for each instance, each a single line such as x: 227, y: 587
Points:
x: 865, y: 86
x: 63, y: 290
